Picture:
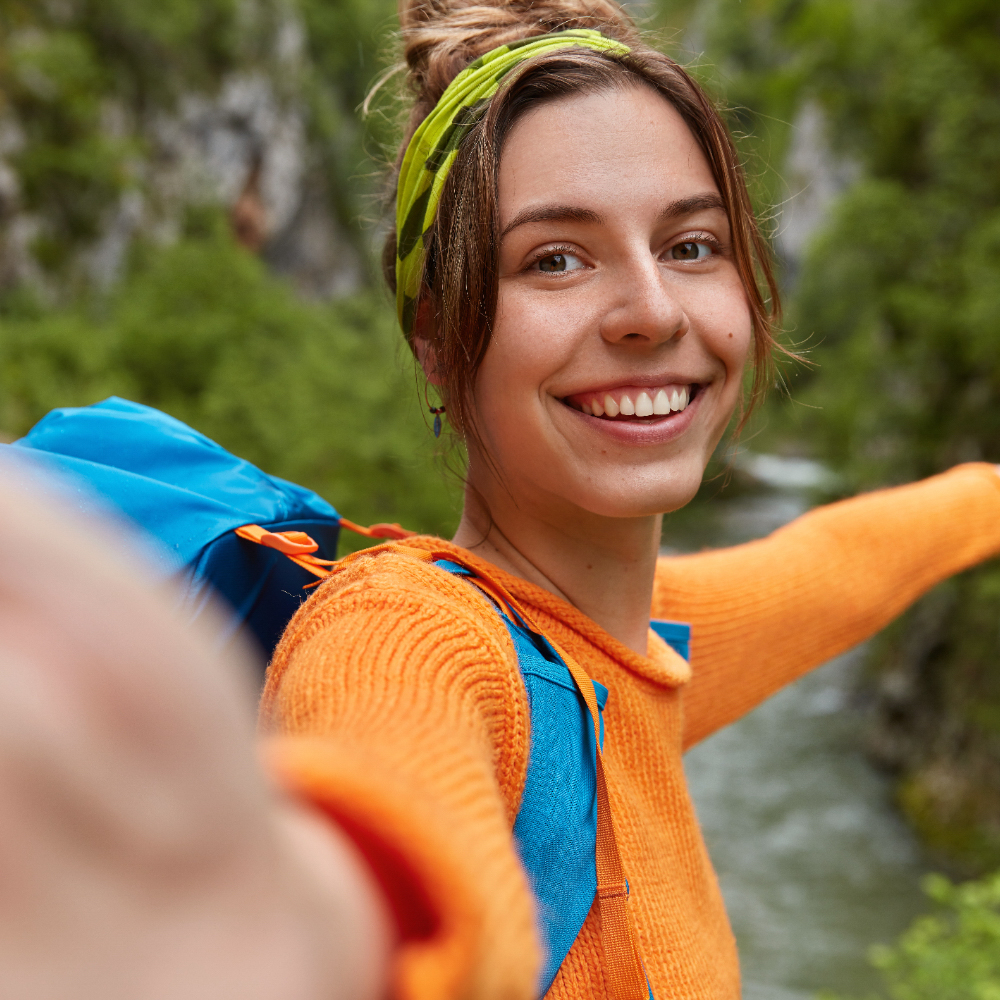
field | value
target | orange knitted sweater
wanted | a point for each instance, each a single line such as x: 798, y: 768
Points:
x: 394, y: 702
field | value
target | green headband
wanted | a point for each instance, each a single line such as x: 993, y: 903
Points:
x: 434, y: 146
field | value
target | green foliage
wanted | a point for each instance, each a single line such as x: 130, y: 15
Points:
x: 939, y: 716
x: 315, y: 393
x: 745, y: 53
x: 898, y: 295
x: 897, y: 298
x: 345, y: 42
x: 86, y: 85
x: 76, y: 76
x: 903, y: 286
x: 345, y: 39
x: 952, y: 955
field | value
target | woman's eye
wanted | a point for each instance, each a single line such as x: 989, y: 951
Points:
x: 691, y: 250
x: 557, y: 262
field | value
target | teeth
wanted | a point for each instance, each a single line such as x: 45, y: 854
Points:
x: 644, y: 406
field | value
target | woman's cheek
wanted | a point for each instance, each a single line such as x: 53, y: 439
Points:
x: 533, y: 338
x: 730, y: 330
x: 507, y: 378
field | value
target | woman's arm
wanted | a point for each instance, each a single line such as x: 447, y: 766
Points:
x: 142, y: 853
x: 766, y: 612
x: 395, y: 704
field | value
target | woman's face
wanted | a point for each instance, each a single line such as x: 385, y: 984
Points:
x: 622, y: 326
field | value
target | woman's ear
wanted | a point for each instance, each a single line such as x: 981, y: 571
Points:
x: 423, y: 343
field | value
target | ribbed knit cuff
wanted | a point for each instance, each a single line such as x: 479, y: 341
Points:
x: 423, y: 886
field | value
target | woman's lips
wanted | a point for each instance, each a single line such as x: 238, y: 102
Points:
x: 634, y: 402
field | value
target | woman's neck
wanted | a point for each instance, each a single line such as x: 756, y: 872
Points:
x: 603, y: 566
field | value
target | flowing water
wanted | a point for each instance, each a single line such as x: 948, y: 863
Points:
x: 815, y: 864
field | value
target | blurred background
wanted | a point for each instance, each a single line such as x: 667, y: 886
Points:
x: 190, y: 215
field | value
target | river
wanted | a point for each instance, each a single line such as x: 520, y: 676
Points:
x: 814, y: 862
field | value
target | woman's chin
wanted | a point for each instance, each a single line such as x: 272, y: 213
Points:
x: 638, y: 499
x: 612, y: 489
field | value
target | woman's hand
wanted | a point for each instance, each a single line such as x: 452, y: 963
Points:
x: 142, y: 854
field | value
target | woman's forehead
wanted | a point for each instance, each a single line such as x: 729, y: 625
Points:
x: 606, y: 152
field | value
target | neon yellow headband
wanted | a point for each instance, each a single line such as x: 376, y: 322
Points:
x: 434, y: 146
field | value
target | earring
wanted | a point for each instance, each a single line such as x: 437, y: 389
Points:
x: 437, y: 411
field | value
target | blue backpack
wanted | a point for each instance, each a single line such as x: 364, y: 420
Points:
x: 192, y: 496
x: 189, y: 495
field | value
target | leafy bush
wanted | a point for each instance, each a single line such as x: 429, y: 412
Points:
x: 317, y: 393
x: 952, y: 955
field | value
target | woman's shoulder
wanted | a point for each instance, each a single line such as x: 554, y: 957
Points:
x: 391, y: 650
x: 399, y: 575
x: 395, y: 592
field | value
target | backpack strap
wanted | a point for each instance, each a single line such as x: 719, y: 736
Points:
x: 677, y: 635
x: 555, y: 829
x: 299, y: 547
x: 625, y: 973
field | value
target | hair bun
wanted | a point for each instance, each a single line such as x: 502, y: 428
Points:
x: 441, y: 37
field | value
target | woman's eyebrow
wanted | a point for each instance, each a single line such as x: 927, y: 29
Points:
x: 552, y: 213
x: 688, y: 206
x: 573, y: 213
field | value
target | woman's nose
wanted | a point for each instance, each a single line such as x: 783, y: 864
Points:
x: 642, y: 308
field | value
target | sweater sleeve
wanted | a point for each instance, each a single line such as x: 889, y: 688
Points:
x: 394, y: 704
x: 766, y: 612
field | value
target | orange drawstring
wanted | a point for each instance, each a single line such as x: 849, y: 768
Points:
x: 393, y: 531
x: 299, y: 547
x: 626, y: 974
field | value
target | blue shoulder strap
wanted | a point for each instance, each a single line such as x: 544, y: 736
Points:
x: 555, y: 832
x: 677, y: 635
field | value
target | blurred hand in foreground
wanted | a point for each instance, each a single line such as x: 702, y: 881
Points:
x: 142, y: 853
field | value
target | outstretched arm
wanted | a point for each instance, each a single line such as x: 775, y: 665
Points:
x: 395, y: 703
x: 142, y: 853
x: 766, y: 612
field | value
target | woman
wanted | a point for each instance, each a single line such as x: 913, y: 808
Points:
x: 579, y: 273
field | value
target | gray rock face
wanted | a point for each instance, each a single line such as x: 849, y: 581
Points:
x: 814, y: 176
x: 244, y: 147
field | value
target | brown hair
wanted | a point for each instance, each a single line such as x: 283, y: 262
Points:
x: 440, y: 38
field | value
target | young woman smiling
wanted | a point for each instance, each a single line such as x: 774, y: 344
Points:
x: 578, y: 269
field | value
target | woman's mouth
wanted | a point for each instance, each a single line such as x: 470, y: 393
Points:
x: 634, y: 403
